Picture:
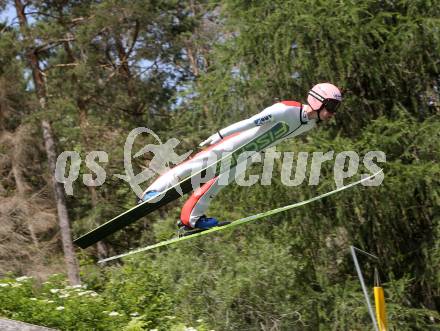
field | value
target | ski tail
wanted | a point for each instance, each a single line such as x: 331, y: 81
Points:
x: 130, y: 216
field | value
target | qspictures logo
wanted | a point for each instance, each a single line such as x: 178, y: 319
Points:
x: 167, y: 165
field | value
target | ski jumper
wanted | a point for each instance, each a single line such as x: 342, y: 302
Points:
x: 227, y: 140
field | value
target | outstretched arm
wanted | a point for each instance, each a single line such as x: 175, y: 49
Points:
x: 256, y: 120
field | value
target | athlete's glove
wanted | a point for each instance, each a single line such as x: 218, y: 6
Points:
x: 215, y: 138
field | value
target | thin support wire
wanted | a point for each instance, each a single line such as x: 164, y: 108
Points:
x: 364, y: 288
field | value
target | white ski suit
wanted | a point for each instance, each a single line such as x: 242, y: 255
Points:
x: 225, y: 141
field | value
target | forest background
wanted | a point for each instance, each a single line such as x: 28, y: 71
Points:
x: 80, y: 75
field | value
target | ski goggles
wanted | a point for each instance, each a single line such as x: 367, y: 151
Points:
x: 331, y: 105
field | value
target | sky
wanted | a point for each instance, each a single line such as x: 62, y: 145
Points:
x: 8, y: 14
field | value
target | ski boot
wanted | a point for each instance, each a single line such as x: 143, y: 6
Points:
x: 206, y: 222
x: 203, y: 223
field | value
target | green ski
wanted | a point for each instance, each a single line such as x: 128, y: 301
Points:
x: 238, y: 222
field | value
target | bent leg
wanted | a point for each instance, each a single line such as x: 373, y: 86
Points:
x: 199, y: 201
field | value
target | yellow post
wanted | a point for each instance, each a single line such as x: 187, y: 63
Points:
x: 379, y: 300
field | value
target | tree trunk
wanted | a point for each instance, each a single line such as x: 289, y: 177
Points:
x: 49, y: 143
x: 63, y: 216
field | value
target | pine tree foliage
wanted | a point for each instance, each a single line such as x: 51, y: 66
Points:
x: 277, y: 50
x: 28, y: 226
x: 186, y: 69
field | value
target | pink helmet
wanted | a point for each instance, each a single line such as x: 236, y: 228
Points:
x: 324, y: 95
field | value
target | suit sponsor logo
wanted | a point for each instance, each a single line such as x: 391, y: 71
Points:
x: 262, y: 120
x: 275, y: 133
